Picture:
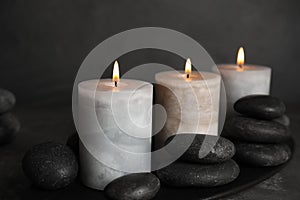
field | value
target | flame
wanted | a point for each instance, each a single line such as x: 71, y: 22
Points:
x: 116, y: 73
x: 240, y: 60
x: 188, y: 66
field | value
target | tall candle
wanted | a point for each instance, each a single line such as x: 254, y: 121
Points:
x: 241, y: 80
x: 124, y: 112
x: 191, y: 101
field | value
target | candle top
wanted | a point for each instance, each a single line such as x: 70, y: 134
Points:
x: 240, y: 64
x: 180, y: 78
x: 107, y: 85
x: 247, y: 67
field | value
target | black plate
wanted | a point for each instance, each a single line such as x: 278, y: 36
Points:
x: 248, y: 177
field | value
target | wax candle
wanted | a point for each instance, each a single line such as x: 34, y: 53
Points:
x: 123, y: 110
x: 241, y: 80
x: 191, y: 101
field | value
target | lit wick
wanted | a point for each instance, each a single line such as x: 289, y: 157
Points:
x: 116, y: 73
x: 188, y: 68
x: 240, y: 58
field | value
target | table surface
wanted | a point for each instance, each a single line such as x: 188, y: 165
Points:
x: 54, y: 123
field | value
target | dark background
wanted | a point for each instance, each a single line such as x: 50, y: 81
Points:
x: 42, y: 43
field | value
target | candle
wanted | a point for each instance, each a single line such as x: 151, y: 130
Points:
x: 124, y: 112
x: 191, y: 101
x: 241, y: 80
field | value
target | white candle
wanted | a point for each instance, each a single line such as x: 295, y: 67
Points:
x: 241, y: 80
x: 124, y: 112
x: 191, y: 100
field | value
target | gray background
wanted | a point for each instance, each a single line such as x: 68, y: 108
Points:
x: 42, y: 43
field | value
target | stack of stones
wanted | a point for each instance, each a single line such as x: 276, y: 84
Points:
x: 9, y: 124
x: 260, y: 133
x: 206, y: 163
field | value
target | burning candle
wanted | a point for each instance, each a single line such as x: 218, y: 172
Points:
x: 241, y: 80
x: 124, y: 112
x: 191, y: 101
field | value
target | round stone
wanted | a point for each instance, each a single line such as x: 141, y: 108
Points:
x: 204, y: 148
x: 180, y: 174
x: 262, y: 154
x: 50, y: 165
x: 138, y: 186
x: 7, y: 100
x: 9, y: 126
x: 260, y: 106
x: 73, y: 143
x: 284, y: 120
x: 254, y: 130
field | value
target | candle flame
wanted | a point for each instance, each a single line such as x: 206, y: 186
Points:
x: 188, y: 66
x: 240, y: 60
x: 116, y: 73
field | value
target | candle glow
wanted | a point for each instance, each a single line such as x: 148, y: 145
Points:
x: 116, y: 73
x: 188, y: 67
x: 240, y: 60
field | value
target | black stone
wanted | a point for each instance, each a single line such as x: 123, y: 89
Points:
x: 254, y: 130
x: 7, y: 100
x: 180, y: 174
x: 262, y: 154
x: 260, y: 106
x: 9, y: 126
x: 73, y: 143
x: 139, y: 186
x: 50, y: 165
x: 284, y: 120
x: 204, y: 148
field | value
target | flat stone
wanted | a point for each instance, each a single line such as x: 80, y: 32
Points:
x: 138, y: 186
x: 7, y: 100
x: 9, y: 126
x: 263, y: 155
x: 260, y: 106
x: 50, y: 165
x: 204, y: 148
x: 284, y: 120
x: 73, y: 143
x: 254, y: 130
x: 180, y: 174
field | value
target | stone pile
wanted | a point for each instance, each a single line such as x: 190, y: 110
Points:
x: 9, y: 124
x: 206, y: 163
x: 260, y: 133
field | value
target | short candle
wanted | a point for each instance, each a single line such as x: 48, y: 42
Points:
x: 128, y: 125
x: 241, y: 80
x: 191, y: 101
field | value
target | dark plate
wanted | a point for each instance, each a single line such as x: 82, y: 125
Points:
x: 41, y: 124
x: 248, y: 177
